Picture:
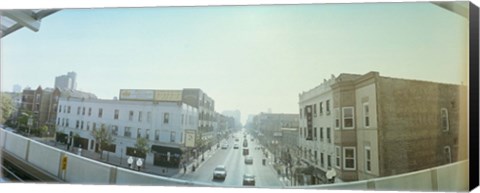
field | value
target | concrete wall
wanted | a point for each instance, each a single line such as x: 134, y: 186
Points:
x: 451, y: 177
x: 81, y: 170
x: 45, y: 157
x: 16, y: 144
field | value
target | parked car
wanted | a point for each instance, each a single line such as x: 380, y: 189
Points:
x: 248, y: 160
x: 248, y: 180
x: 220, y: 172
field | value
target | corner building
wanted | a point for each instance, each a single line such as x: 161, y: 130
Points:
x: 163, y: 124
x: 388, y: 126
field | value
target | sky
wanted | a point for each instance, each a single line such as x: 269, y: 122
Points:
x: 250, y: 58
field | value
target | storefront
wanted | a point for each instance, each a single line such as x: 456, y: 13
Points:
x: 167, y: 156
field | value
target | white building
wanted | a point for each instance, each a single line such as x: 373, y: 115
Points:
x: 163, y: 124
x: 316, y: 133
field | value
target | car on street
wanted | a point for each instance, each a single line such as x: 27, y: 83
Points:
x: 245, y: 151
x: 248, y: 160
x: 220, y: 172
x: 225, y: 146
x: 236, y: 146
x: 248, y: 180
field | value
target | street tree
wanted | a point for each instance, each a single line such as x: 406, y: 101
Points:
x: 142, y: 146
x: 7, y: 107
x: 42, y: 131
x: 104, y: 138
x: 22, y: 121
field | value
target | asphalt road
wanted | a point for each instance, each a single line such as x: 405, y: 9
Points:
x: 233, y: 159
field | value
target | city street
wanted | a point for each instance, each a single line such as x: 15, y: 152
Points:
x: 233, y: 159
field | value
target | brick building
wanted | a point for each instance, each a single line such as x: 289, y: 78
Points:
x: 386, y: 126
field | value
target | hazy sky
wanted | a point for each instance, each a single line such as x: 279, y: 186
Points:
x: 249, y: 58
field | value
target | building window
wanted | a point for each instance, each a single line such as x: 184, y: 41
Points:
x: 139, y: 134
x: 368, y: 159
x: 329, y: 161
x: 320, y: 108
x: 127, y: 132
x: 321, y: 160
x: 69, y: 109
x: 337, y: 157
x: 77, y: 125
x: 349, y: 158
x: 314, y: 110
x: 78, y: 111
x: 89, y: 111
x: 83, y: 111
x: 315, y: 133
x: 81, y: 125
x: 115, y: 114
x: 448, y: 154
x: 100, y: 112
x: 337, y: 118
x: 165, y: 118
x: 329, y: 137
x: 348, y: 118
x: 88, y: 126
x: 140, y: 114
x: 60, y: 109
x: 114, y: 130
x: 172, y: 137
x: 157, y: 135
x: 130, y: 115
x: 149, y: 116
x: 366, y: 115
x: 321, y: 133
x: 58, y: 121
x: 316, y: 157
x: 147, y: 134
x: 445, y: 124
x: 327, y: 107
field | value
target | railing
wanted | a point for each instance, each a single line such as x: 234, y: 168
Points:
x: 80, y: 170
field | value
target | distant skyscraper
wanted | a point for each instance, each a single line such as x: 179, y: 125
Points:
x: 68, y: 81
x: 17, y: 88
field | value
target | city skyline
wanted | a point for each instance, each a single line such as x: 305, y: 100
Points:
x: 263, y: 58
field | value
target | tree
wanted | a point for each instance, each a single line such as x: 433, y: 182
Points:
x: 7, y: 107
x: 103, y: 137
x: 42, y: 130
x: 142, y: 146
x: 22, y: 121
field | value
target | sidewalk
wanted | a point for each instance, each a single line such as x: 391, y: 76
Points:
x: 282, y: 175
x: 110, y: 158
